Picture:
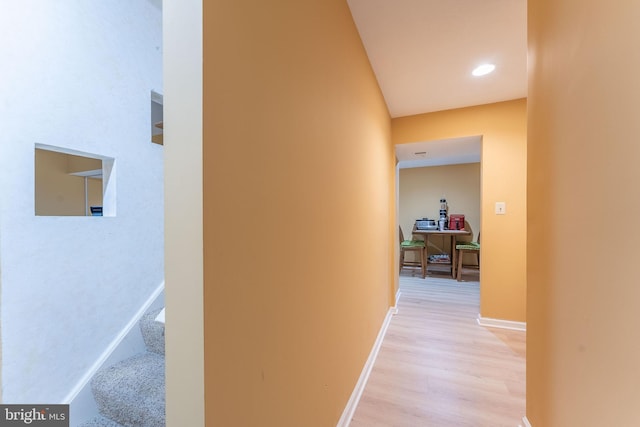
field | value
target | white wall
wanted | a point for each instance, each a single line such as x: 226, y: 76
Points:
x: 184, y: 233
x: 75, y: 74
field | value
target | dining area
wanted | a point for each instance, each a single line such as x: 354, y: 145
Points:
x: 438, y: 220
x: 451, y: 258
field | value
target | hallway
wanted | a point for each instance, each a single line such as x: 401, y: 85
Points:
x: 438, y: 368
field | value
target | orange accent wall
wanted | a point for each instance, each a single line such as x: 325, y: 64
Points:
x: 582, y: 337
x: 503, y: 127
x: 298, y: 174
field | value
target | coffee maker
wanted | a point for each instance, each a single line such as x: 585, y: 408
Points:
x: 443, y: 221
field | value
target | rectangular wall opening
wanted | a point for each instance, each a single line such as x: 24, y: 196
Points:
x: 157, y: 118
x: 73, y: 183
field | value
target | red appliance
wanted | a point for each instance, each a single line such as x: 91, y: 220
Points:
x: 456, y: 222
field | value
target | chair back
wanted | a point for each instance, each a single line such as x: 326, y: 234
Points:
x: 400, y: 234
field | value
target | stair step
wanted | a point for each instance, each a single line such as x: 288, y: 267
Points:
x: 132, y: 392
x: 100, y: 421
x: 152, y: 331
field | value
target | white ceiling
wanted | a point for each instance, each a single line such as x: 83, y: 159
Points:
x: 423, y: 52
x: 440, y: 152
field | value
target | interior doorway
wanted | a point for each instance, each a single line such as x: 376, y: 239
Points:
x: 436, y: 180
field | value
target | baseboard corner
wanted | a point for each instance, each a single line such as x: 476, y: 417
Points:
x: 394, y: 309
x: 502, y: 324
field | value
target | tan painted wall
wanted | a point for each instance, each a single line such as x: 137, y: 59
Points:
x: 582, y: 336
x: 298, y: 171
x: 503, y: 128
x: 420, y: 193
x: 94, y: 192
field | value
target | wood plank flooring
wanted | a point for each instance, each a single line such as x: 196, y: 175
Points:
x: 438, y: 368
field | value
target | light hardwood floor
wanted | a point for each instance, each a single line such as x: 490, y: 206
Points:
x: 438, y: 368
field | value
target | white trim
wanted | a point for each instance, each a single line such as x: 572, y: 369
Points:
x: 63, y: 150
x: 157, y: 97
x: 503, y: 324
x: 95, y: 173
x: 160, y: 316
x: 352, y: 404
x: 526, y: 422
x: 112, y: 346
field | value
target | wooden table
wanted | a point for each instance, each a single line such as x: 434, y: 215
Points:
x: 452, y: 235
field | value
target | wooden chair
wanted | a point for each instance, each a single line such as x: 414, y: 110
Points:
x: 467, y: 247
x: 413, y: 246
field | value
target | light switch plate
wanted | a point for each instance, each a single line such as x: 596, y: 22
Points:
x: 501, y: 208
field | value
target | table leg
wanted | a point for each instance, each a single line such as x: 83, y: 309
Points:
x: 453, y: 256
x: 426, y: 254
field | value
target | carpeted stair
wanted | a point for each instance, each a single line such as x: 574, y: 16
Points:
x: 131, y: 393
x: 101, y: 422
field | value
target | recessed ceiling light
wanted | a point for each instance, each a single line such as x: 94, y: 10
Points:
x: 483, y: 69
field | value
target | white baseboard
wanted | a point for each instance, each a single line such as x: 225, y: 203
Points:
x: 84, y: 381
x: 352, y: 404
x: 526, y: 422
x: 502, y: 324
